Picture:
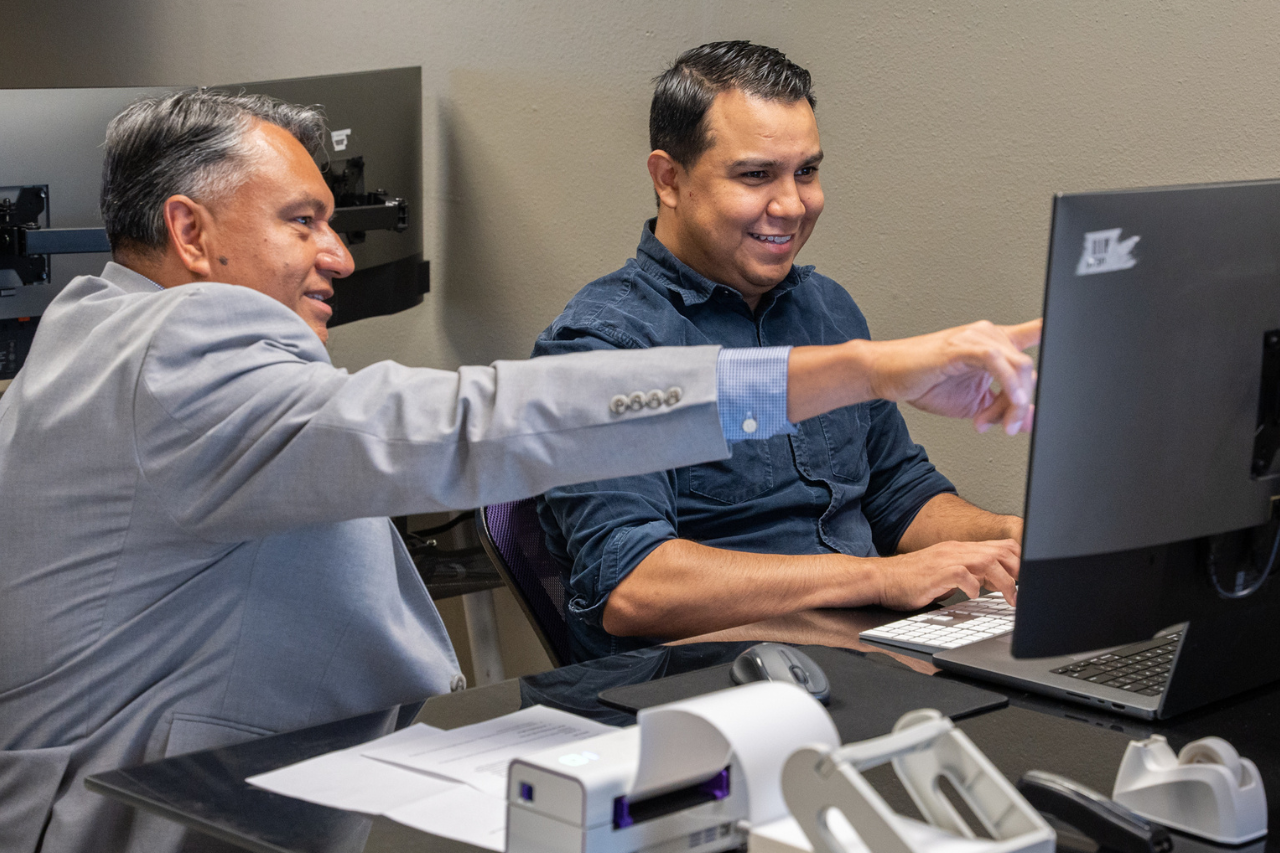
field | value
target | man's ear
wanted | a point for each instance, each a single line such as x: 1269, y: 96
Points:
x: 666, y: 174
x: 188, y: 223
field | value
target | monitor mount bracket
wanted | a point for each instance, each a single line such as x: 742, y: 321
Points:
x: 358, y: 211
x: 25, y: 246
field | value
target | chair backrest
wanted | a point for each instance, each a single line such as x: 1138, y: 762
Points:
x: 512, y: 536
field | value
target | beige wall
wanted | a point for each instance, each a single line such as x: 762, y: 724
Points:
x: 947, y: 126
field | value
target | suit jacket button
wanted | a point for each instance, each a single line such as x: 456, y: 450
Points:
x: 618, y: 404
x: 636, y: 402
x: 654, y: 399
x: 673, y: 395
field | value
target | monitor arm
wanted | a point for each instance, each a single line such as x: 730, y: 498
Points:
x: 25, y: 246
x: 358, y: 211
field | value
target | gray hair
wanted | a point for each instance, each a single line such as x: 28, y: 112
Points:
x: 187, y: 143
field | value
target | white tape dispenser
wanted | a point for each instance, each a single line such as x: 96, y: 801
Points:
x: 1206, y: 790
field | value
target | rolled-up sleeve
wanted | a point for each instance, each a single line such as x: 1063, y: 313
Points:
x: 902, y: 477
x: 604, y: 530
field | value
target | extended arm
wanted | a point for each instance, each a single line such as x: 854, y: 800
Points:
x: 950, y: 373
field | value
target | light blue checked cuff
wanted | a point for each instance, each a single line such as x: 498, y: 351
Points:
x: 751, y: 386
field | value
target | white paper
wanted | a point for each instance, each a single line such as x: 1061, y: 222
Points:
x: 347, y: 780
x: 461, y: 813
x: 762, y: 723
x: 480, y: 754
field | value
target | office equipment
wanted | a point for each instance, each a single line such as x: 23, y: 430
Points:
x: 776, y: 662
x: 206, y: 790
x: 949, y: 627
x: 924, y: 748
x: 1207, y: 789
x: 513, y: 538
x: 50, y: 177
x: 681, y: 779
x: 50, y: 174
x: 1153, y: 472
x: 375, y: 140
x: 1129, y: 680
x: 1108, y: 823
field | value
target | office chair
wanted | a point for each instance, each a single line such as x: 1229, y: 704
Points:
x: 512, y: 536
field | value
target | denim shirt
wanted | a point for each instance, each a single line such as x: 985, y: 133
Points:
x: 849, y: 481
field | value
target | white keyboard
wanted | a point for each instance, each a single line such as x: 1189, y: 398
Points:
x: 949, y: 628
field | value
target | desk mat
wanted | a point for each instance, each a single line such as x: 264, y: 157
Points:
x: 868, y: 692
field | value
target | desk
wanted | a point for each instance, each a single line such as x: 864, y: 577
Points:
x: 206, y: 790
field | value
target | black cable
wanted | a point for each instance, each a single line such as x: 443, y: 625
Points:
x: 448, y: 525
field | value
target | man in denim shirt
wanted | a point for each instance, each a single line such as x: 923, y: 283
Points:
x: 800, y: 520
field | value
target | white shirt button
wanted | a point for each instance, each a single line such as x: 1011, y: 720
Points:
x: 618, y: 404
x: 674, y: 393
x: 749, y: 426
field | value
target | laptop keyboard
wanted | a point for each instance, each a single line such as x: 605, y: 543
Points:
x: 1141, y: 668
x: 949, y: 628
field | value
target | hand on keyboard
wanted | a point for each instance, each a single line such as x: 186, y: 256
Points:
x: 911, y: 581
x: 948, y: 628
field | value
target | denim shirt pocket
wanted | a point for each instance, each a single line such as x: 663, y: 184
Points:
x: 845, y: 431
x: 745, y: 474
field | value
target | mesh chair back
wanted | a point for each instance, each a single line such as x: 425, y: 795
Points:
x: 510, y: 532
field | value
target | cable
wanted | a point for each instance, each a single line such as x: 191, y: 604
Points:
x: 448, y: 525
x: 1256, y: 585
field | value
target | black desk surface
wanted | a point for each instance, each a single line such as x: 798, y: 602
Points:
x: 206, y: 790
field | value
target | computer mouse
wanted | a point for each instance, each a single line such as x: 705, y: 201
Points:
x: 776, y: 662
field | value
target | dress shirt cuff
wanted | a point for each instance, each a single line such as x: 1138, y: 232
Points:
x: 751, y: 386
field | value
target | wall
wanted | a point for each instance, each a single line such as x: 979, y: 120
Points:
x: 947, y: 127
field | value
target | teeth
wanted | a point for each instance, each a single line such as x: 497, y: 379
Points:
x: 770, y: 238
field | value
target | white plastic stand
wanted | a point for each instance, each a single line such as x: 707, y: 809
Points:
x: 1207, y: 790
x: 924, y: 747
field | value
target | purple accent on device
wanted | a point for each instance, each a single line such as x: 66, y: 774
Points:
x: 621, y: 813
x: 713, y: 789
x: 718, y: 785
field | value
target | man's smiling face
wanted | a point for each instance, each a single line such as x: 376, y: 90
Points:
x: 272, y: 232
x: 741, y: 212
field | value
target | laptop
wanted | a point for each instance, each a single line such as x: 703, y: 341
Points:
x: 1128, y: 679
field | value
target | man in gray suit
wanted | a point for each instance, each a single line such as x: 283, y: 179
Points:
x: 195, y: 549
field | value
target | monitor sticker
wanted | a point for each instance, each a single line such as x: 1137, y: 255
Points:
x: 1104, y: 251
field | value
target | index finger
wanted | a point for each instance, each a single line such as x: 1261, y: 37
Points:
x: 1025, y: 334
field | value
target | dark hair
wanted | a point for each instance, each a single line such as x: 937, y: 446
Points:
x: 187, y: 143
x: 683, y: 93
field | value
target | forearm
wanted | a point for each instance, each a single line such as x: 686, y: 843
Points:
x: 822, y: 378
x: 949, y: 518
x: 683, y: 589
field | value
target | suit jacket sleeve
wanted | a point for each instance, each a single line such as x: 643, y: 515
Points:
x: 602, y: 530
x: 247, y: 428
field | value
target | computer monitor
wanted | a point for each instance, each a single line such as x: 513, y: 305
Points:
x: 1153, y: 473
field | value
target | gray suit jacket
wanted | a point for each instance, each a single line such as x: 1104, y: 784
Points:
x: 194, y: 547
